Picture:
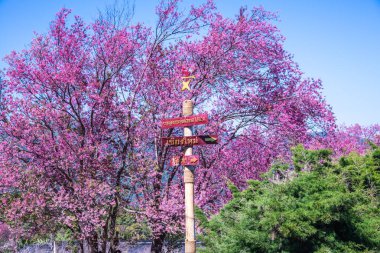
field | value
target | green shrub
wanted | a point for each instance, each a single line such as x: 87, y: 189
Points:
x: 325, y: 207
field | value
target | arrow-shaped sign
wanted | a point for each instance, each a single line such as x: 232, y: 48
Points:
x: 211, y: 139
x: 189, y: 140
x: 184, y: 160
x: 199, y: 119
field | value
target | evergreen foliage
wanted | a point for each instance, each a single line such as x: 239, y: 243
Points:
x: 326, y: 207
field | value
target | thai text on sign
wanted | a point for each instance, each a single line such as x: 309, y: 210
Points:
x: 189, y: 140
x: 184, y: 160
x: 185, y: 121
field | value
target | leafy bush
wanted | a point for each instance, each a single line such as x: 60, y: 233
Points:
x: 325, y: 207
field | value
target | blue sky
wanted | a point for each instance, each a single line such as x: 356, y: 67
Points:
x: 337, y: 41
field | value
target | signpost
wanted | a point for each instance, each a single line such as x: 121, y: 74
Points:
x: 189, y: 140
x: 188, y: 160
x: 185, y: 121
x: 184, y: 160
x: 188, y: 178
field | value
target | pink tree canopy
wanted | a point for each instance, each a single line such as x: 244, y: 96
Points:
x: 82, y: 109
x: 347, y: 139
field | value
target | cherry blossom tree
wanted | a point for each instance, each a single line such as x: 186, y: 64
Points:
x: 82, y: 106
x: 4, y: 234
x: 347, y: 139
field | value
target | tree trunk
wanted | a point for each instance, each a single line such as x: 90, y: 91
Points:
x: 113, y: 235
x: 81, y: 246
x: 93, y: 243
x: 105, y: 234
x: 158, y: 244
x: 114, y: 244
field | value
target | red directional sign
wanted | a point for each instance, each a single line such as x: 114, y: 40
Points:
x: 199, y: 119
x: 184, y: 160
x: 189, y: 140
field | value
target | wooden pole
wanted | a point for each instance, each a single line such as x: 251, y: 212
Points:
x: 190, y: 247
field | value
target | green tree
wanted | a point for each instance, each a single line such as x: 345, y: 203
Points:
x: 324, y: 206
